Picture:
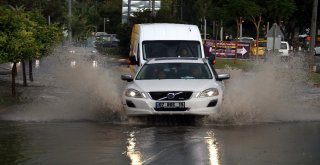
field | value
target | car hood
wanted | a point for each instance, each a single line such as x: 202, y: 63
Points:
x: 173, y: 85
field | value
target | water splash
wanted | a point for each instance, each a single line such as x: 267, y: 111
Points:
x: 78, y: 92
x: 272, y: 91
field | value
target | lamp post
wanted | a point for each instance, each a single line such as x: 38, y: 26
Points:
x: 104, y: 23
x: 240, y: 29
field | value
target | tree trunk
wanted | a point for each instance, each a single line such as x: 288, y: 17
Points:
x: 13, y: 77
x: 238, y: 28
x: 30, y: 70
x: 24, y: 73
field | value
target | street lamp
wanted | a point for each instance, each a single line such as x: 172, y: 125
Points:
x: 240, y: 28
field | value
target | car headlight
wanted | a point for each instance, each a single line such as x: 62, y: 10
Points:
x: 209, y: 92
x: 134, y: 93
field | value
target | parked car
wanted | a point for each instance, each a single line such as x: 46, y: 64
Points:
x: 174, y: 86
x: 317, y: 51
x: 106, y: 40
x: 245, y: 39
x: 284, y: 48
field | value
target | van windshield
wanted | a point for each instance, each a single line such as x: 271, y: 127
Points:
x: 164, y: 48
x: 283, y: 46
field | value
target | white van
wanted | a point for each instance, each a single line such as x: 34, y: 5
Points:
x: 156, y: 40
x: 284, y: 48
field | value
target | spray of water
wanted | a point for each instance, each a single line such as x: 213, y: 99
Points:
x: 78, y: 86
x: 272, y: 91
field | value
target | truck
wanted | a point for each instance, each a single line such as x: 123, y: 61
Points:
x: 156, y: 40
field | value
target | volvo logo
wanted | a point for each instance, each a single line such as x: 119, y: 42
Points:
x: 170, y: 95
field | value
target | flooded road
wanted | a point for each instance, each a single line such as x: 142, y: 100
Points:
x: 105, y: 143
x: 73, y: 115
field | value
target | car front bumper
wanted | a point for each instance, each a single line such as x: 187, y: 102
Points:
x: 194, y: 106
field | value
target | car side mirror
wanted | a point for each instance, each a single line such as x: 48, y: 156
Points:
x: 223, y: 77
x: 126, y: 77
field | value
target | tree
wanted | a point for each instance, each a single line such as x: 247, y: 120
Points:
x: 255, y: 12
x: 280, y: 10
x: 19, y: 40
x: 237, y: 9
x: 46, y: 36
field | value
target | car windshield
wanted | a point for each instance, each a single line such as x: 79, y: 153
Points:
x: 283, y: 46
x: 154, y: 49
x: 174, y: 71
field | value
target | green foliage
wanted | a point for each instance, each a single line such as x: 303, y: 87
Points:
x: 88, y: 15
x: 17, y: 43
x: 280, y: 9
x: 315, y: 77
x: 24, y: 35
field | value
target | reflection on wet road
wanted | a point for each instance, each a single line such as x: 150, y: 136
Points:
x: 103, y: 143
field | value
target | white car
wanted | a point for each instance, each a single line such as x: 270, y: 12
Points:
x: 284, y: 48
x: 174, y: 86
x: 317, y: 51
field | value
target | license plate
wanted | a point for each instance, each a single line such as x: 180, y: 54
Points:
x: 170, y: 105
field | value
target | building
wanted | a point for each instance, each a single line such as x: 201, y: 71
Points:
x: 130, y: 6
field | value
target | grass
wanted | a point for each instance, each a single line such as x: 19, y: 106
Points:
x: 233, y: 63
x: 247, y: 64
x: 315, y: 77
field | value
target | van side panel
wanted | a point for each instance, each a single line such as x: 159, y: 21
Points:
x: 134, y: 41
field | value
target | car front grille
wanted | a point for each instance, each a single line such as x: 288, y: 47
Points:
x: 173, y: 95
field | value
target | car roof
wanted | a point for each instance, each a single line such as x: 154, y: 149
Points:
x: 176, y: 60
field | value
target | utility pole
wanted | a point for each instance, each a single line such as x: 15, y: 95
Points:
x: 181, y: 10
x: 213, y: 29
x: 153, y: 8
x: 221, y: 31
x: 69, y: 23
x: 205, y: 29
x: 313, y: 34
x: 274, y: 38
x: 96, y: 14
x: 240, y: 29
